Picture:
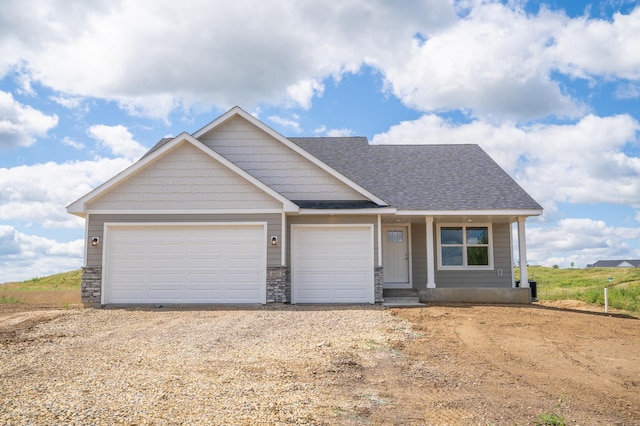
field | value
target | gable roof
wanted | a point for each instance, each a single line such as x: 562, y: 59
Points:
x: 423, y: 177
x: 237, y: 111
x: 79, y: 207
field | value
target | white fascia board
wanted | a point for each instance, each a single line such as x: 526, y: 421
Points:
x: 250, y: 118
x: 513, y: 212
x: 186, y: 211
x: 79, y: 207
x: 382, y: 210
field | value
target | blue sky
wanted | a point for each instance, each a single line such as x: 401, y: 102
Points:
x: 550, y: 89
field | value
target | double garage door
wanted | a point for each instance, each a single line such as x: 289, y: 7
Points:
x: 188, y: 263
x: 226, y: 263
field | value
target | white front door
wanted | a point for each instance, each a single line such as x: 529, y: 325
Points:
x: 395, y: 256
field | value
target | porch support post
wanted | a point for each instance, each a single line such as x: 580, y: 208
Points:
x: 522, y: 248
x: 379, y: 240
x: 431, y: 274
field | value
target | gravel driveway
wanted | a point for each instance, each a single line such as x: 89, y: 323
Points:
x: 284, y: 365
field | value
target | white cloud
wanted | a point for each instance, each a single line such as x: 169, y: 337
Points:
x: 24, y: 256
x: 20, y: 124
x: 583, y: 162
x: 585, y: 47
x: 154, y: 56
x: 580, y: 240
x: 302, y: 92
x: 340, y: 132
x: 72, y: 143
x: 38, y: 194
x: 493, y: 62
x: 118, y: 140
x: 285, y: 122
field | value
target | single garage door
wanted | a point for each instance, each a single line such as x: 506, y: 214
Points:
x: 186, y: 263
x: 332, y: 264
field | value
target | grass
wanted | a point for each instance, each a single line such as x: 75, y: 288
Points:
x: 63, y: 281
x: 61, y: 288
x: 588, y: 285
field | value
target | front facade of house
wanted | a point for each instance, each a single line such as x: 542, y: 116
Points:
x: 238, y: 214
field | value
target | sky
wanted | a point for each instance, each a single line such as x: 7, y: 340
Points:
x: 550, y: 89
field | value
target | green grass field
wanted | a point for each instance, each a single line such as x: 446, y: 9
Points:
x: 588, y: 285
x: 61, y: 288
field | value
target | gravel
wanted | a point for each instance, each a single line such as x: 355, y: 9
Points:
x: 271, y: 365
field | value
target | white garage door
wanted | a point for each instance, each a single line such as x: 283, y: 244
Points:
x: 187, y: 263
x: 332, y: 264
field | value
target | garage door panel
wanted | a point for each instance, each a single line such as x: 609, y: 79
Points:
x: 216, y: 263
x: 332, y: 264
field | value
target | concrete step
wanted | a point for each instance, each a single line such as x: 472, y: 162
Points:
x: 402, y: 302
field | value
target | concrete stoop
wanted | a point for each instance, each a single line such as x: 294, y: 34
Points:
x: 401, y: 298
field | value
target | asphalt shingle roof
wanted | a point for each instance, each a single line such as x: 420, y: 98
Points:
x: 422, y: 177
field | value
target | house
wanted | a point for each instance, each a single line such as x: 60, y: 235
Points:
x: 237, y: 213
x: 633, y: 263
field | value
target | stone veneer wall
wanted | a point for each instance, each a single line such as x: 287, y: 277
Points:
x: 91, y: 285
x: 378, y: 283
x: 278, y: 284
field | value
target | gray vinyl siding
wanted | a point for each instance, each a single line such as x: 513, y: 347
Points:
x: 333, y: 220
x: 474, y: 279
x: 419, y: 254
x: 97, y: 221
x: 275, y: 164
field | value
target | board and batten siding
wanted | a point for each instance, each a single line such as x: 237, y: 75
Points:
x: 96, y: 229
x: 275, y: 164
x: 185, y: 178
x: 479, y: 278
x: 333, y: 220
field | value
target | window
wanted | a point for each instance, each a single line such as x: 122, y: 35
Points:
x: 394, y: 236
x: 464, y: 247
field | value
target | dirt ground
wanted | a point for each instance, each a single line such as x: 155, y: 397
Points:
x: 444, y: 365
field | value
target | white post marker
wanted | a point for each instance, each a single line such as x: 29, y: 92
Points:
x: 606, y: 296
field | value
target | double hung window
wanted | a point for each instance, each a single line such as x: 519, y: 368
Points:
x: 464, y: 247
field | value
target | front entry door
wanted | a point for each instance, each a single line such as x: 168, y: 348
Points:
x: 395, y: 256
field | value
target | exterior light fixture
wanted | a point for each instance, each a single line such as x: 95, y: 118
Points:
x: 274, y: 240
x: 95, y: 241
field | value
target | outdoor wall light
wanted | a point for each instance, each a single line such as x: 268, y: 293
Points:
x: 274, y: 240
x: 95, y: 241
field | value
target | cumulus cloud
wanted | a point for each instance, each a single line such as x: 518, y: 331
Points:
x: 294, y: 125
x: 584, y: 162
x: 21, y: 124
x: 38, y: 194
x: 152, y: 57
x: 585, y: 47
x: 24, y: 256
x: 118, y: 140
x: 581, y: 241
x: 498, y: 61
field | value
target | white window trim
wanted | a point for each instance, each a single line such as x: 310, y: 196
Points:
x: 464, y: 267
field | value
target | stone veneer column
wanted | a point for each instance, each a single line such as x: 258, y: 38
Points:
x: 91, y: 285
x: 278, y: 284
x: 378, y: 282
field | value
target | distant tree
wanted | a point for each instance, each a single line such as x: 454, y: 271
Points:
x: 572, y: 264
x: 556, y: 267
